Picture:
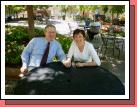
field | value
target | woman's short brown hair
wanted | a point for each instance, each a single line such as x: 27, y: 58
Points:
x: 77, y: 31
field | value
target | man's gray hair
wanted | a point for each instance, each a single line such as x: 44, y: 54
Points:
x: 50, y: 25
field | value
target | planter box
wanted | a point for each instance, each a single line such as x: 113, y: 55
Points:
x: 12, y: 73
x: 11, y: 78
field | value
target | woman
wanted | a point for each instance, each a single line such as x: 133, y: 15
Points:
x: 83, y: 52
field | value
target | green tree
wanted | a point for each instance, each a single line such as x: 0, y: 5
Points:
x: 14, y: 9
x: 43, y: 11
x: 105, y: 8
x: 117, y: 9
x: 88, y: 8
x: 64, y: 9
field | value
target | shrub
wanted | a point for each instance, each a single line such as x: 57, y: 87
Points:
x: 13, y: 51
x: 16, y: 34
x: 39, y: 32
x: 16, y: 39
x: 65, y: 42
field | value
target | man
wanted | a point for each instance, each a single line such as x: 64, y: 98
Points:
x: 32, y: 55
x: 87, y: 23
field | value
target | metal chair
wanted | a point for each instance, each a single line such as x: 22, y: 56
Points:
x: 110, y: 41
x: 97, y: 42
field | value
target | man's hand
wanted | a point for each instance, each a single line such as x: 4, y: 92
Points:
x: 23, y: 70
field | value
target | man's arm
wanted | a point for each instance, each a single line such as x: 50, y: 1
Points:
x: 26, y: 55
x: 60, y: 53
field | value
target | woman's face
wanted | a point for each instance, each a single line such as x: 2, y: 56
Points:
x: 78, y: 38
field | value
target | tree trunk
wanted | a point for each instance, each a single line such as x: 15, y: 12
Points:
x: 16, y: 15
x: 9, y: 10
x: 117, y: 15
x: 30, y: 21
x: 112, y: 17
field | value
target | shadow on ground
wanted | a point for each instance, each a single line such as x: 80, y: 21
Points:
x: 114, y: 64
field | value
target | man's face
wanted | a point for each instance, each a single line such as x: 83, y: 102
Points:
x: 50, y: 33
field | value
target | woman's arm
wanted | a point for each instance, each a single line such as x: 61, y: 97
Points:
x: 94, y: 55
x: 71, y: 50
x: 67, y: 62
x: 60, y: 53
x: 82, y: 64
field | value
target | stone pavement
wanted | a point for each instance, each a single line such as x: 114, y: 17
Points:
x: 114, y: 64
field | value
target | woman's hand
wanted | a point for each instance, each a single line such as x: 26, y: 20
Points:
x: 67, y: 63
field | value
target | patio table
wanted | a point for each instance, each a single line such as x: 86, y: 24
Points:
x: 55, y: 79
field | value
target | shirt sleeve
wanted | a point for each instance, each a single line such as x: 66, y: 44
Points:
x: 26, y: 53
x: 71, y: 50
x: 60, y: 53
x: 94, y: 55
